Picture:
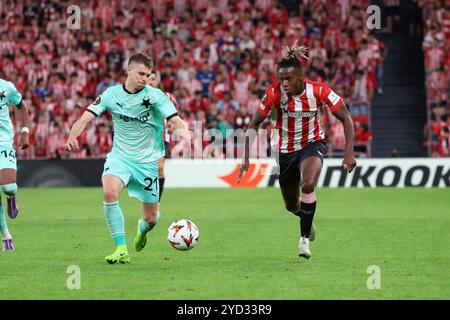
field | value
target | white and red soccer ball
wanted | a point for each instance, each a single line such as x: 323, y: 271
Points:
x: 183, y: 234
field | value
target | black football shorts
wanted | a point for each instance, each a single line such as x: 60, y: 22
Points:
x: 289, y: 163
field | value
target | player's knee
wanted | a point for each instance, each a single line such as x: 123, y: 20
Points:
x: 110, y: 195
x: 308, y: 185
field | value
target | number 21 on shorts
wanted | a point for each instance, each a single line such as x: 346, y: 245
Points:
x: 150, y: 183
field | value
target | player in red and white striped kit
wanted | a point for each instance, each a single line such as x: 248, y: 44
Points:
x: 292, y: 104
x: 153, y: 81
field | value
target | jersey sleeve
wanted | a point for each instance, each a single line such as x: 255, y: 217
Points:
x: 13, y: 94
x: 267, y: 102
x: 164, y: 105
x: 101, y: 104
x: 172, y: 98
x: 331, y: 99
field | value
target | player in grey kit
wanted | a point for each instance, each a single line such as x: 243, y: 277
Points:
x: 8, y: 167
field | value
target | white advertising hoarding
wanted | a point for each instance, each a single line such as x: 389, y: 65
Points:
x: 389, y: 172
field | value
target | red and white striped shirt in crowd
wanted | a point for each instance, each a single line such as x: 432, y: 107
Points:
x: 446, y: 24
x: 166, y: 134
x: 242, y: 91
x: 192, y: 85
x: 20, y: 62
x: 201, y: 4
x: 296, y: 119
x: 7, y: 46
x: 179, y: 6
x: 159, y: 8
x: 337, y: 136
x: 332, y: 36
x: 376, y: 46
x: 434, y: 58
x: 104, y: 143
x: 105, y: 13
x: 364, y: 57
x: 263, y: 4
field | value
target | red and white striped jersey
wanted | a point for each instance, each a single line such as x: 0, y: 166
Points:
x: 435, y: 56
x: 296, y: 119
x: 166, y: 134
x: 376, y: 47
x: 446, y: 23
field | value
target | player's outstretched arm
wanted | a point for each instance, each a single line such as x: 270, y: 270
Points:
x: 250, y: 135
x: 24, y: 141
x: 180, y: 129
x: 349, y: 162
x: 78, y: 128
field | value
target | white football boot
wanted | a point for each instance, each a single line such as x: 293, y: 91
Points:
x: 303, y: 248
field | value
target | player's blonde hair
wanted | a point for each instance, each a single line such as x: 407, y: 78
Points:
x: 292, y: 56
x: 295, y: 51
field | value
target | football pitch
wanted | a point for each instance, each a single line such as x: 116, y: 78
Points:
x: 247, y: 247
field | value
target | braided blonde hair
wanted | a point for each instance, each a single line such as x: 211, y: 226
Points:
x: 295, y: 51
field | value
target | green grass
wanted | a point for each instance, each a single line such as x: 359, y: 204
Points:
x: 247, y: 247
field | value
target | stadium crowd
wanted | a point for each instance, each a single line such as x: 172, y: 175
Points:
x: 436, y: 47
x: 216, y: 57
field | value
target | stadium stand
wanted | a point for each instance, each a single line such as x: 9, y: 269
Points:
x: 400, y: 115
x: 216, y: 57
x: 436, y: 48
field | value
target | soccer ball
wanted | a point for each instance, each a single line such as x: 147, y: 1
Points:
x: 183, y: 234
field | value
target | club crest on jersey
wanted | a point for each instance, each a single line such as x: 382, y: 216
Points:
x: 146, y: 102
x: 98, y: 100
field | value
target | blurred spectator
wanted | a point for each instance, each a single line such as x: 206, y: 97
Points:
x: 360, y: 94
x: 254, y: 101
x: 104, y: 141
x: 206, y: 76
x: 337, y: 139
x: 41, y: 90
x: 415, y: 18
x: 226, y: 50
x: 379, y: 53
x: 212, y: 116
x: 218, y: 87
x: 199, y: 102
x: 40, y: 134
x: 55, y: 143
x: 392, y: 8
x: 192, y: 84
x: 227, y: 102
x: 242, y: 119
x: 241, y: 87
x: 363, y: 137
x: 436, y: 46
